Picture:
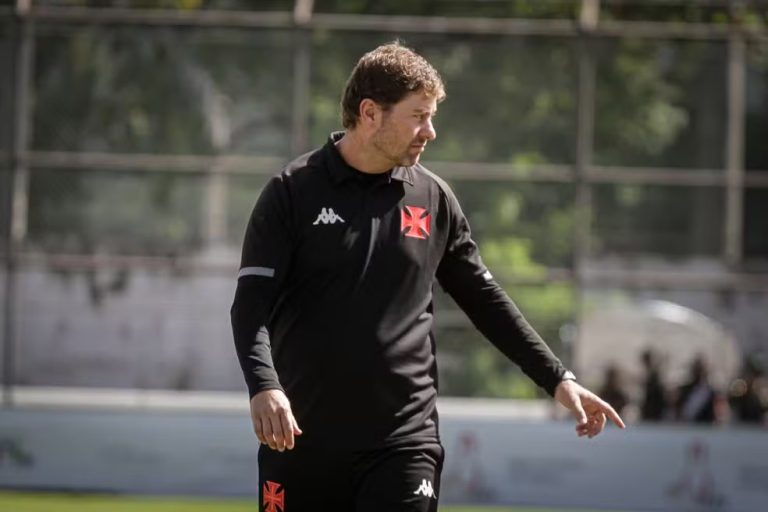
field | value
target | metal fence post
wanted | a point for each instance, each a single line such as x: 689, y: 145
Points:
x: 19, y: 192
x: 588, y: 20
x: 302, y: 66
x: 734, y: 149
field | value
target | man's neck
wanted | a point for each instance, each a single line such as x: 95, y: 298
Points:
x: 357, y: 153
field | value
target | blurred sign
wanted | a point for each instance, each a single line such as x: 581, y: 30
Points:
x: 490, y: 460
x: 660, y: 468
x: 131, y: 452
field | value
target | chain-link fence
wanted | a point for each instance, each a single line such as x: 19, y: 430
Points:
x: 604, y: 152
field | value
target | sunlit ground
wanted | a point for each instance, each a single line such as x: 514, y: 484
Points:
x: 50, y: 502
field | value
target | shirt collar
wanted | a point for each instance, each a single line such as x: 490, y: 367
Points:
x: 341, y: 171
x: 402, y: 174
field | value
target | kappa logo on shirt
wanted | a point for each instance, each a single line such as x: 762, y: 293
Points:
x: 327, y: 216
x: 425, y: 489
x: 416, y: 221
x: 274, y: 501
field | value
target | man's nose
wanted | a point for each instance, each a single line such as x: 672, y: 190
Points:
x: 428, y: 131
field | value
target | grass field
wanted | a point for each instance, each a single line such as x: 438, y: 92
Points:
x: 49, y: 502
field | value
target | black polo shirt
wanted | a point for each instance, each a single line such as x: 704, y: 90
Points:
x: 339, y: 266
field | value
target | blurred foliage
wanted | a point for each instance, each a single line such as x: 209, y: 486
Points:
x: 241, y: 194
x: 752, y: 14
x: 161, y: 91
x: 511, y: 100
x: 135, y: 213
x: 542, y: 9
x: 755, y: 229
x: 6, y: 114
x: 660, y: 103
x: 470, y: 366
x: 690, y: 11
x: 507, y: 220
x: 5, y: 204
x: 522, y: 229
x: 6, y: 84
x: 169, y: 91
x: 672, y: 222
x: 756, y: 157
x: 184, y: 5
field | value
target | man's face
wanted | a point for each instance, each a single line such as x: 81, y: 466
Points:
x: 406, y: 128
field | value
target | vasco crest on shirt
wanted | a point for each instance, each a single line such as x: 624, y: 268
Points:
x: 415, y: 222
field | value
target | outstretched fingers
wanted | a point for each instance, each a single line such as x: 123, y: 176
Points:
x: 611, y: 413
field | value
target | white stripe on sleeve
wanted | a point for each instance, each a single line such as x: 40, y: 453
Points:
x: 256, y: 271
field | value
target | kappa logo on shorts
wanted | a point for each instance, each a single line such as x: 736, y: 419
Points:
x: 425, y: 489
x: 274, y: 501
x: 416, y: 220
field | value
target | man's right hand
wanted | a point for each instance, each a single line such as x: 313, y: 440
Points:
x: 273, y: 420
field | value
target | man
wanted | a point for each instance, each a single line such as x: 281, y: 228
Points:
x: 654, y: 405
x: 339, y: 259
x: 697, y: 401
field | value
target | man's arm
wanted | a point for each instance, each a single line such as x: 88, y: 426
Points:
x: 264, y: 264
x: 463, y: 276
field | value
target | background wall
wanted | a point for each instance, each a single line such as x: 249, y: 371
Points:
x: 490, y: 459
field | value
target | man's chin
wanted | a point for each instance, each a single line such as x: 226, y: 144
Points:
x: 409, y: 160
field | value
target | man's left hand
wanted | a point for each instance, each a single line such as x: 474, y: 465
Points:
x: 589, y: 409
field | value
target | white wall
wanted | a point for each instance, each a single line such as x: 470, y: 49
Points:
x: 166, y: 330
x: 491, y: 458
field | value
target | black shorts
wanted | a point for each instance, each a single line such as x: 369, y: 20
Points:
x: 396, y: 479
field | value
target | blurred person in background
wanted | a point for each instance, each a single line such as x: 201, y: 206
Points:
x: 748, y: 394
x: 697, y: 401
x: 654, y: 399
x: 332, y: 316
x: 612, y: 390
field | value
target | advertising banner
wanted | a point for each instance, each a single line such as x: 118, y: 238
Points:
x: 489, y: 460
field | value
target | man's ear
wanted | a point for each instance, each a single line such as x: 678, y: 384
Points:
x: 370, y: 112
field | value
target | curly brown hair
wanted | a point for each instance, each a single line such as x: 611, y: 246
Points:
x: 386, y: 75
